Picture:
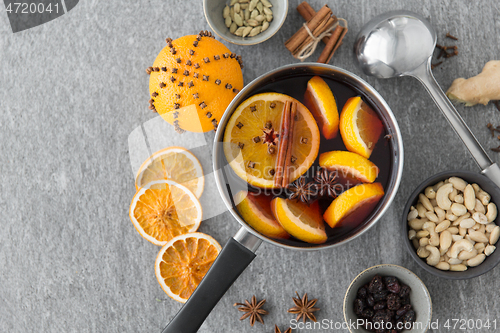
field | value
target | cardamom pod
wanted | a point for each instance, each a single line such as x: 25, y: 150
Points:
x: 228, y: 21
x: 233, y: 2
x: 239, y: 31
x: 225, y: 13
x: 238, y: 19
x: 265, y: 25
x: 233, y: 27
x: 255, y: 31
x: 259, y: 7
x: 269, y: 18
x: 267, y: 11
x: 246, y: 31
x: 244, y: 6
x: 253, y: 22
x: 266, y: 3
x: 254, y: 13
x: 252, y: 5
x: 236, y: 7
x: 247, y: 14
x: 260, y: 18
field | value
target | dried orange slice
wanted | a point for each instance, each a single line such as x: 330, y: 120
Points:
x: 183, y: 262
x: 255, y: 209
x: 360, y: 127
x: 174, y: 163
x: 354, y: 205
x: 299, y: 220
x: 320, y: 101
x: 164, y: 209
x: 349, y: 164
x: 252, y: 134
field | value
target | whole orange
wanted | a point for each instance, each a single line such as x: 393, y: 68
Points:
x: 193, y: 80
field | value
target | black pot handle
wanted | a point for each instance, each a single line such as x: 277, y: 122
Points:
x: 231, y: 262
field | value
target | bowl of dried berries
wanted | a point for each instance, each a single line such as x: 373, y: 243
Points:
x: 387, y: 298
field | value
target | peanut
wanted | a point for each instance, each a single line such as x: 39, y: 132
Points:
x: 469, y: 197
x: 458, y: 268
x: 495, y: 234
x: 430, y: 193
x: 442, y: 226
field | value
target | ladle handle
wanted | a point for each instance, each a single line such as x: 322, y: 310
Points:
x: 231, y: 262
x: 424, y: 75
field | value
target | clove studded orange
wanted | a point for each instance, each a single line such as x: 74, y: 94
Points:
x: 193, y: 80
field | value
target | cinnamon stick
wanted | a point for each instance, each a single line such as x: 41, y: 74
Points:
x: 289, y: 147
x: 324, y: 25
x: 294, y: 42
x: 307, y: 12
x: 282, y: 144
x: 332, y: 45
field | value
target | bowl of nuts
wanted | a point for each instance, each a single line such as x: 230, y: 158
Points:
x: 387, y: 298
x: 451, y: 225
x: 245, y: 22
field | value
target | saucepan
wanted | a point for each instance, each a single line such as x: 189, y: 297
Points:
x: 240, y: 250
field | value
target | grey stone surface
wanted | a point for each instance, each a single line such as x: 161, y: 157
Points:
x: 74, y: 89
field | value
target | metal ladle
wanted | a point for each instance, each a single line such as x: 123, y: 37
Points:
x: 401, y: 43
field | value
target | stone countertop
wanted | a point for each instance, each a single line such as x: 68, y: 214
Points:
x: 74, y: 89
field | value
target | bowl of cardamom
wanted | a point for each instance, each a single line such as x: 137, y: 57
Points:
x: 245, y: 22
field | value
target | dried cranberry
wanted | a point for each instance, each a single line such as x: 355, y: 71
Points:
x: 393, y: 302
x: 405, y: 291
x: 380, y: 296
x: 367, y: 313
x: 409, y: 317
x: 370, y: 300
x: 382, y: 316
x: 401, y: 312
x: 362, y: 292
x: 405, y: 300
x: 392, y: 284
x: 376, y: 285
x: 359, y: 306
x: 379, y: 306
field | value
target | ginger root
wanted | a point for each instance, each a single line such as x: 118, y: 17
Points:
x: 481, y: 88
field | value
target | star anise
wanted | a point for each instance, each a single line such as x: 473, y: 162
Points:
x: 301, y: 190
x: 304, y: 308
x: 327, y: 183
x: 277, y: 330
x: 252, y: 310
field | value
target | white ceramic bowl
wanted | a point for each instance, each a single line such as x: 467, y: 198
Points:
x: 213, y: 13
x: 419, y: 296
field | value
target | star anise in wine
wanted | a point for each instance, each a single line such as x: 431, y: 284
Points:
x: 301, y: 190
x: 303, y: 308
x: 277, y: 330
x: 327, y: 183
x: 253, y: 310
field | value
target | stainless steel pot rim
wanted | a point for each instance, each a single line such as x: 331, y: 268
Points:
x: 255, y: 83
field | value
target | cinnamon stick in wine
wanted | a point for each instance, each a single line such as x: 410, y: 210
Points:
x: 282, y: 144
x: 288, y: 157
